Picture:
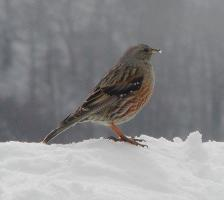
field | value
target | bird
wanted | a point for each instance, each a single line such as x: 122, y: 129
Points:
x: 119, y: 95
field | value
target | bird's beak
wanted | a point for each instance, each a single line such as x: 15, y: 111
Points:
x: 156, y: 50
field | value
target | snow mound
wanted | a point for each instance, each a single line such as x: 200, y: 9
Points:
x: 100, y: 169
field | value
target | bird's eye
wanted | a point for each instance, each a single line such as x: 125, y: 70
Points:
x: 146, y: 49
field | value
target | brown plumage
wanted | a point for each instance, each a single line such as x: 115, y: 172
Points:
x: 119, y: 96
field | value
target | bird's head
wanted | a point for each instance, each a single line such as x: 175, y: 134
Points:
x: 141, y: 52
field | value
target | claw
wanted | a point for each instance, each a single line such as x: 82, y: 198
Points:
x: 137, y: 140
x: 113, y: 138
x: 142, y: 145
x: 134, y: 141
x: 130, y: 140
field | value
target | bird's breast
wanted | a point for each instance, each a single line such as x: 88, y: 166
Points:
x: 135, y: 102
x: 144, y: 94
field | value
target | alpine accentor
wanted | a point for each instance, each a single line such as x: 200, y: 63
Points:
x: 119, y: 96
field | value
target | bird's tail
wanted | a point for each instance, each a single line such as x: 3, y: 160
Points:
x: 69, y: 121
x: 53, y: 134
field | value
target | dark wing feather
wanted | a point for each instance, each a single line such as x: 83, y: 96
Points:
x: 123, y: 90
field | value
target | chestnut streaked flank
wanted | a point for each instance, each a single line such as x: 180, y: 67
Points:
x: 119, y: 96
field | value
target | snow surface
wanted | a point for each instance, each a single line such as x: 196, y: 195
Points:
x: 100, y: 169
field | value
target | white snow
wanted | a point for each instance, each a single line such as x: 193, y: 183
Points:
x: 99, y: 169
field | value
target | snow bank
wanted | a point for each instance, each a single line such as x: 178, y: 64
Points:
x: 100, y: 169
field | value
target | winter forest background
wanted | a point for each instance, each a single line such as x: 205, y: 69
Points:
x: 52, y: 52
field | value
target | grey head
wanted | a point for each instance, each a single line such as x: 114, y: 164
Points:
x: 140, y: 52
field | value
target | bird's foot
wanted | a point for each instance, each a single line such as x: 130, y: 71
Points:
x: 113, y: 138
x: 137, y: 140
x: 134, y: 141
x: 130, y: 140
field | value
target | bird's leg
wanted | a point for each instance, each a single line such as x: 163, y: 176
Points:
x: 122, y: 137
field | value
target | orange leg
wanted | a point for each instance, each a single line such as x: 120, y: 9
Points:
x: 122, y: 137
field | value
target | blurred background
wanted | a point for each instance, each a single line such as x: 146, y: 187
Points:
x: 52, y: 53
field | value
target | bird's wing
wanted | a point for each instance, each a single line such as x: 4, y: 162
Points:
x: 124, y: 89
x: 121, y: 76
x: 116, y: 84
